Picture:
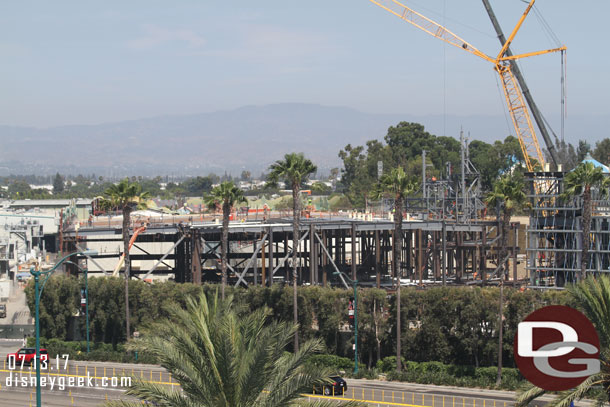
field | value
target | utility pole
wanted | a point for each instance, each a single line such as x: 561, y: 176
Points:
x: 524, y: 89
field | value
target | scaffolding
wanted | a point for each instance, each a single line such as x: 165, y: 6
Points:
x: 554, y: 234
x: 456, y: 197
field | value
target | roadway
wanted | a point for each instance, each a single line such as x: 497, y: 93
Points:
x: 97, y: 385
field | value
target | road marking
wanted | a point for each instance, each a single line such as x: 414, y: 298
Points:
x: 389, y: 403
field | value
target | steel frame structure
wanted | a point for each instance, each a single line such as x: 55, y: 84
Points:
x: 554, y: 234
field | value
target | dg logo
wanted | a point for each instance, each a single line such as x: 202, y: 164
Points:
x: 556, y: 348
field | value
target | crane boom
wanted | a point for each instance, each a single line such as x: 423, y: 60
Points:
x: 515, y: 89
x: 524, y: 88
x: 521, y: 118
x: 431, y: 27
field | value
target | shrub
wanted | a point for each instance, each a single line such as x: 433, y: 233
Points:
x: 388, y: 364
x: 332, y: 361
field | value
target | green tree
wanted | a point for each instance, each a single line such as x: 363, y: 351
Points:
x: 583, y: 150
x: 197, y: 186
x: 19, y: 189
x: 356, y: 176
x: 226, y: 195
x: 58, y: 184
x: 223, y: 356
x: 399, y: 185
x: 580, y: 182
x: 294, y: 170
x: 320, y: 188
x: 126, y: 196
x: 593, y: 296
x: 508, y: 196
x: 602, y: 151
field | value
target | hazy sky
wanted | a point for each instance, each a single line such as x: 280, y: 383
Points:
x: 88, y: 62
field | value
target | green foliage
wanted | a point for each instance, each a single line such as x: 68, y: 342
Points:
x: 222, y: 355
x: 294, y: 170
x: 285, y: 204
x: 602, y: 151
x: 333, y: 362
x: 397, y: 184
x: 453, y: 375
x: 388, y: 364
x: 320, y: 188
x: 58, y: 184
x: 583, y: 177
x: 102, y: 352
x: 226, y: 194
x: 126, y: 195
x: 403, y: 147
x: 508, y: 192
x: 452, y: 325
x: 339, y: 202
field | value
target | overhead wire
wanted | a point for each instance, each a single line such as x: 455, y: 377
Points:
x: 501, y: 95
x: 428, y: 10
x: 554, y: 39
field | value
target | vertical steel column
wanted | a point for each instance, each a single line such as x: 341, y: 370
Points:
x: 377, y: 259
x: 263, y: 261
x: 312, y: 255
x: 420, y: 256
x: 324, y: 259
x: 255, y: 262
x: 354, y: 259
x: 483, y: 255
x: 444, y: 251
x: 271, y: 268
x: 515, y: 244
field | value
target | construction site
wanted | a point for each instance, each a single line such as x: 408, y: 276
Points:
x: 449, y: 234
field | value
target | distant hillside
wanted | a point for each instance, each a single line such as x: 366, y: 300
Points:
x: 249, y: 137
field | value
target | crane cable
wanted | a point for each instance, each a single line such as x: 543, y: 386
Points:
x: 553, y: 37
x: 557, y: 43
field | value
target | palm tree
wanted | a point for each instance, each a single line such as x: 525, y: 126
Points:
x: 126, y: 196
x: 294, y: 169
x: 507, y: 193
x: 221, y: 355
x: 225, y: 195
x: 593, y: 296
x: 399, y: 185
x: 580, y: 181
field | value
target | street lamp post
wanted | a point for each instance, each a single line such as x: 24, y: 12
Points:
x: 86, y: 272
x: 355, y: 285
x: 37, y: 292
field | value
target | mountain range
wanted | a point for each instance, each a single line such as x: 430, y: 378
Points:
x: 250, y: 137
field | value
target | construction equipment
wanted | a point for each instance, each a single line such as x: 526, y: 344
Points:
x: 136, y: 232
x: 503, y: 66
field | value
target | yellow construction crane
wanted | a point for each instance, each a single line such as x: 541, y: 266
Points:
x: 502, y: 65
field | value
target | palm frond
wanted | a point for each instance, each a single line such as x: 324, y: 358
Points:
x: 566, y: 398
x: 528, y: 395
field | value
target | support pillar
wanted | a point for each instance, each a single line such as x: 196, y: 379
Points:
x: 354, y: 258
x: 377, y: 259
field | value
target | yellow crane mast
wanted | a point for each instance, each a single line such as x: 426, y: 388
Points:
x: 514, y: 97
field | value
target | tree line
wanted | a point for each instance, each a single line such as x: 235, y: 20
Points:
x: 453, y: 325
x: 403, y: 146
